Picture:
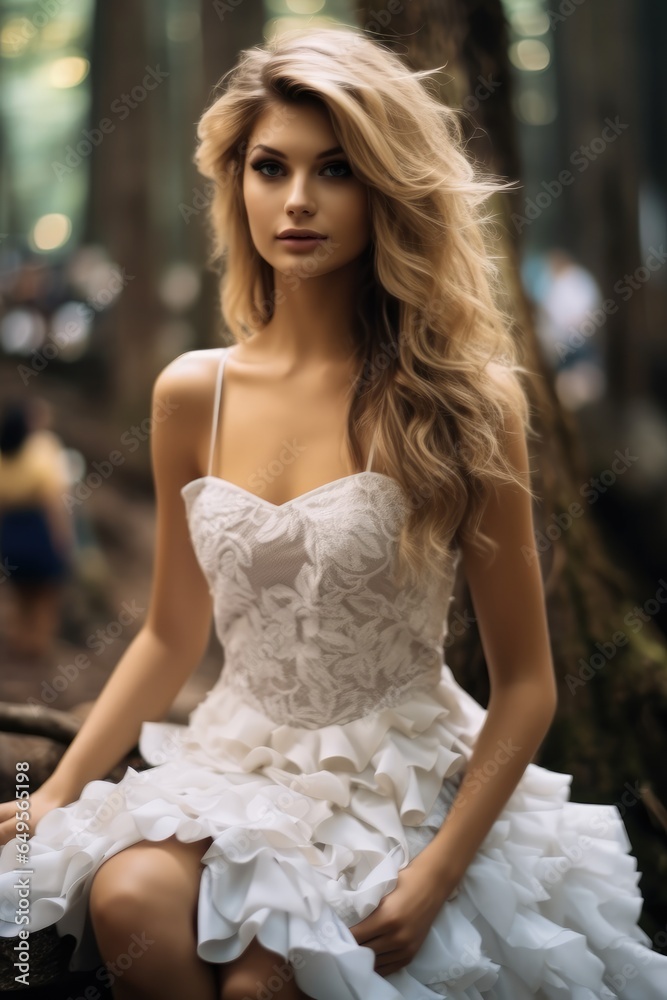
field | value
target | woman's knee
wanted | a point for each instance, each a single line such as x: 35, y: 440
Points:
x: 248, y: 986
x: 259, y: 973
x: 147, y: 881
x: 245, y: 984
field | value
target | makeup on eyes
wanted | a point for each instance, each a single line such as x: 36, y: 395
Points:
x: 258, y: 164
x: 282, y: 156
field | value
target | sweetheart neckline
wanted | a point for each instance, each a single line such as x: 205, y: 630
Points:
x: 293, y: 500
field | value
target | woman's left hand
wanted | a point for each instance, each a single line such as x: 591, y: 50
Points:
x: 397, y: 927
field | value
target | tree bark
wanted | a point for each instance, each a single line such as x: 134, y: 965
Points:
x: 225, y: 32
x: 610, y: 663
x: 129, y: 95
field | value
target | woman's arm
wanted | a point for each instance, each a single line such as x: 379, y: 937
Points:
x: 176, y: 631
x: 508, y: 596
x: 509, y: 602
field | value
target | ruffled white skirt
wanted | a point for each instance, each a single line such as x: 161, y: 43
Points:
x: 310, y: 828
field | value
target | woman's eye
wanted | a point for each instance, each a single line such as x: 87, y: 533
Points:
x: 345, y: 166
x: 265, y: 163
x: 272, y: 163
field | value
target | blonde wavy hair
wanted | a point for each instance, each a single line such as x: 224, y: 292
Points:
x: 438, y: 365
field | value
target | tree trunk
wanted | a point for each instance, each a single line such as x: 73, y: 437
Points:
x: 611, y: 663
x: 594, y: 92
x: 225, y: 32
x: 128, y: 99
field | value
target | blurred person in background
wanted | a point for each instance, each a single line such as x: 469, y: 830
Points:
x: 570, y: 325
x: 36, y: 532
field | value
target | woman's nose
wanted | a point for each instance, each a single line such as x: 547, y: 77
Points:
x: 299, y: 196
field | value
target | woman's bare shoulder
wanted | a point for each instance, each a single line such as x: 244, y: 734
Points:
x: 182, y: 403
x: 190, y: 375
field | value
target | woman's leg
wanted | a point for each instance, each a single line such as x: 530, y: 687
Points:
x: 46, y: 616
x: 258, y: 972
x: 19, y: 638
x: 143, y: 908
x: 34, y: 618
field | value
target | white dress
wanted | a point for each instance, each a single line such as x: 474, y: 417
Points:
x: 324, y: 758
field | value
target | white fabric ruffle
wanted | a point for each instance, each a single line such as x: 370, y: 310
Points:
x: 310, y: 828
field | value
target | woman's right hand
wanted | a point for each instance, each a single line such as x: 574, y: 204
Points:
x: 13, y: 821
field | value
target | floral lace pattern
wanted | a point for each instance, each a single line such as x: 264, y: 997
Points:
x: 314, y: 630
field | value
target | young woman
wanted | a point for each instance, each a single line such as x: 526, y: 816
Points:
x: 339, y: 819
x: 36, y: 532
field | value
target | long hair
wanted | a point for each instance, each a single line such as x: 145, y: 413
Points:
x: 438, y: 365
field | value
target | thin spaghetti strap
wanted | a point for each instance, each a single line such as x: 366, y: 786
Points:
x: 216, y: 408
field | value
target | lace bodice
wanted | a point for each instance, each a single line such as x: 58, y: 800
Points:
x: 314, y: 630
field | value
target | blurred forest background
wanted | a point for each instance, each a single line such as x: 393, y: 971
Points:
x: 103, y: 280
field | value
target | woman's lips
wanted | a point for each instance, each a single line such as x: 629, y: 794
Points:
x: 302, y: 243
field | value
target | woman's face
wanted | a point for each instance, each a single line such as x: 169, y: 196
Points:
x: 291, y: 185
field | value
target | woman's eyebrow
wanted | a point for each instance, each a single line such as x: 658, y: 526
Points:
x: 276, y: 152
